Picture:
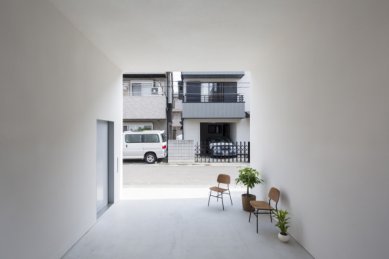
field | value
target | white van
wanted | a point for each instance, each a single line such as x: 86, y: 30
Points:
x: 149, y: 145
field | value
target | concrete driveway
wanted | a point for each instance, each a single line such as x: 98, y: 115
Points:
x: 162, y: 180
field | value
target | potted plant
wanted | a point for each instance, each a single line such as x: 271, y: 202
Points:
x: 249, y: 177
x: 282, y: 224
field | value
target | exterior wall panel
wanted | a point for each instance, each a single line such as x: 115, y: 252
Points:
x: 213, y: 110
x: 144, y: 107
x: 56, y: 82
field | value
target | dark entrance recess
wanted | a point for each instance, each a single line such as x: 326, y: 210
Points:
x: 211, y: 131
x: 214, y: 130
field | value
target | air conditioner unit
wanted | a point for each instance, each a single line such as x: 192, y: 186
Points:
x: 154, y: 90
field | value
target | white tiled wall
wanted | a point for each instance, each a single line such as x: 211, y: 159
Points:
x: 181, y: 150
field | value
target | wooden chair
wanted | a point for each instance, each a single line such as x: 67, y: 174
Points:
x: 265, y: 207
x: 221, y: 179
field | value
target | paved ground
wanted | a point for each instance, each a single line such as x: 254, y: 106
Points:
x: 173, y: 181
x: 162, y: 174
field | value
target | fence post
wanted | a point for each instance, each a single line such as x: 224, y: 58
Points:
x: 248, y: 149
x: 195, y: 152
x: 240, y: 151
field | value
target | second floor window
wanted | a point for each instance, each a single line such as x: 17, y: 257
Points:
x: 142, y: 88
x: 211, y: 92
x: 136, y: 89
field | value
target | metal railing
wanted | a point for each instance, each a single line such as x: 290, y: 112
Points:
x: 236, y: 152
x: 214, y: 98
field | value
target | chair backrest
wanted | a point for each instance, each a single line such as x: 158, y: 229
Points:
x: 223, y: 178
x: 274, y: 194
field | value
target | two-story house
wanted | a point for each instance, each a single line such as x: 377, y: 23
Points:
x: 144, y: 102
x: 215, y: 104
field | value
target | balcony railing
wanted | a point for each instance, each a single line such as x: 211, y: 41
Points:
x: 214, y: 98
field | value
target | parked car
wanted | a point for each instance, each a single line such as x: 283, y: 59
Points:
x: 222, y: 147
x: 149, y: 145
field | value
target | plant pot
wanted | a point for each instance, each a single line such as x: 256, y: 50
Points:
x: 283, y: 238
x: 246, y: 201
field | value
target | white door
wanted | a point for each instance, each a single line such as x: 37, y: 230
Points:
x: 102, y: 165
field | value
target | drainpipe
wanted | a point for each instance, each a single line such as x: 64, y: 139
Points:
x: 169, y: 107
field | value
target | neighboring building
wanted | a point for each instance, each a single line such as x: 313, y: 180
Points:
x: 177, y: 126
x: 215, y: 104
x: 205, y: 105
x: 144, y: 102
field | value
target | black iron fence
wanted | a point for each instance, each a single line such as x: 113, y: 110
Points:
x: 234, y: 152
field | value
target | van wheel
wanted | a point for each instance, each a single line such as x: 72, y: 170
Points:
x: 150, y: 158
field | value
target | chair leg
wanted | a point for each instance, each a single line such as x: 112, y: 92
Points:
x: 209, y: 198
x: 250, y: 216
x: 222, y: 201
x: 229, y: 193
x: 271, y: 218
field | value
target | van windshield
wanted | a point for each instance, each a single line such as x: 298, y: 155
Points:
x: 163, y: 137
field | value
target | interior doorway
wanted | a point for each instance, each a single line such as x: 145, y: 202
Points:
x: 104, y: 165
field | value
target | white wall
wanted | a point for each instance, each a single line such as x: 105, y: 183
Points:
x: 320, y: 122
x: 191, y: 130
x: 54, y: 85
x: 243, y: 130
x: 144, y: 107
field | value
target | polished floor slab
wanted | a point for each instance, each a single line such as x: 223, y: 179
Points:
x: 173, y: 227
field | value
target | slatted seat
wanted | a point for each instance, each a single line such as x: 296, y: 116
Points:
x: 217, y: 189
x: 221, y: 179
x: 264, y: 207
x: 261, y: 205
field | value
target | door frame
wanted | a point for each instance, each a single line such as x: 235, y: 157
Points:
x: 111, y: 165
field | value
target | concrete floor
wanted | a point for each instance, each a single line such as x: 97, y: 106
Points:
x: 172, y: 220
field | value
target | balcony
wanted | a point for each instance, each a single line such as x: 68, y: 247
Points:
x: 144, y: 107
x: 213, y: 106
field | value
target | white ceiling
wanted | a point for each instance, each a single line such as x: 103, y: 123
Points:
x: 156, y: 35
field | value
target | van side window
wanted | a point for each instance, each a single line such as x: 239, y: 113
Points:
x: 150, y: 138
x: 133, y: 138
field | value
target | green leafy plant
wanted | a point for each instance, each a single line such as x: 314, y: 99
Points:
x: 249, y: 177
x: 283, y: 221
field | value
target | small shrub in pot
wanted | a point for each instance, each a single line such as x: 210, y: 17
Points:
x: 282, y: 224
x: 249, y: 177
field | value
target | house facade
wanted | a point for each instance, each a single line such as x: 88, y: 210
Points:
x: 215, y: 104
x: 144, y: 102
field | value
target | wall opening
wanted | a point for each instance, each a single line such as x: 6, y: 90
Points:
x: 105, y: 164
